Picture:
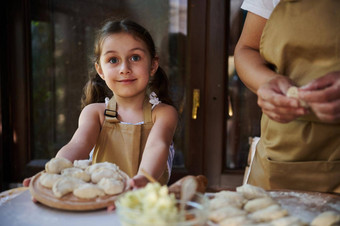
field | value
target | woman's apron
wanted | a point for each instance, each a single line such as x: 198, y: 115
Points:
x: 123, y: 144
x: 301, y: 40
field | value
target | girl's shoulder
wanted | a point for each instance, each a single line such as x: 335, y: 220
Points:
x: 95, y: 107
x: 94, y: 110
x: 164, y: 110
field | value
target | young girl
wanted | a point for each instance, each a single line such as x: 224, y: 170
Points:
x: 135, y: 127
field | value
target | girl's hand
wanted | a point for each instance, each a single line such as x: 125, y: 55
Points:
x: 138, y: 181
x: 323, y: 96
x: 275, y: 104
x: 26, y: 183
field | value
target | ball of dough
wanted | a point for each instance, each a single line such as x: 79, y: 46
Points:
x: 48, y: 179
x: 82, y: 164
x: 293, y: 92
x: 88, y: 191
x: 56, y: 165
x: 65, y: 185
x: 327, y: 218
x: 111, y: 186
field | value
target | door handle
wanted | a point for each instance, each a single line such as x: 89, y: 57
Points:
x: 195, y: 102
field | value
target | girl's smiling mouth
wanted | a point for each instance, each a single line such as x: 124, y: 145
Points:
x: 127, y: 80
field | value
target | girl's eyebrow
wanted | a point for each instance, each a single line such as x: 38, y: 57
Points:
x: 131, y: 50
x: 141, y: 49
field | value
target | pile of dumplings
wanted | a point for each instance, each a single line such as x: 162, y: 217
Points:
x: 249, y: 205
x: 84, y: 180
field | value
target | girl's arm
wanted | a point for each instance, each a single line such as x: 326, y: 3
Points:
x: 155, y: 156
x: 269, y: 86
x: 85, y: 137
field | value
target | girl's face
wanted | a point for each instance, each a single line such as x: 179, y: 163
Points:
x: 126, y: 65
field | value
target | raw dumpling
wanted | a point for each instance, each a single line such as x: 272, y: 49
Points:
x: 230, y: 198
x: 56, y: 165
x: 327, y: 218
x: 77, y: 173
x: 82, y: 164
x: 270, y: 213
x: 225, y: 212
x: 100, y: 173
x: 111, y: 186
x: 251, y: 192
x: 288, y: 221
x: 65, y: 185
x: 69, y: 171
x: 107, y: 165
x: 235, y: 221
x: 48, y: 179
x: 88, y: 191
x: 259, y: 203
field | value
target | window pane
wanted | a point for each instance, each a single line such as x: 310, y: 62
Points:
x: 243, y: 119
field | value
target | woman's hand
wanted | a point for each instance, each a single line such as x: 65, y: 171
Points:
x: 323, y: 96
x: 275, y: 104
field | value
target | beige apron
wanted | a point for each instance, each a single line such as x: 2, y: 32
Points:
x: 123, y: 144
x: 301, y: 40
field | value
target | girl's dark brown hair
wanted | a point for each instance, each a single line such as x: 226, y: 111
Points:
x: 96, y: 90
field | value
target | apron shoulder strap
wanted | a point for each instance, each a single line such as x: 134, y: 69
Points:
x: 147, y: 111
x: 110, y: 112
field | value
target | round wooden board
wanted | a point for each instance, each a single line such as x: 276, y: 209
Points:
x: 69, y: 201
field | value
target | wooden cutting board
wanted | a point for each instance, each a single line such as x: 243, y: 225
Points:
x: 69, y: 201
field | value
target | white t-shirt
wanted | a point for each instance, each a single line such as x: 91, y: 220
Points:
x: 262, y: 8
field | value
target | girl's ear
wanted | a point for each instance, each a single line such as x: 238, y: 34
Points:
x: 154, y: 65
x: 99, y: 71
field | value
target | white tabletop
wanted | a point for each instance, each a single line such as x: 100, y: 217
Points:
x: 22, y: 211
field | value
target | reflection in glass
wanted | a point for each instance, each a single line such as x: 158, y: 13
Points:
x: 243, y: 119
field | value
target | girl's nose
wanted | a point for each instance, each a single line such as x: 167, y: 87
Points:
x: 125, y: 68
